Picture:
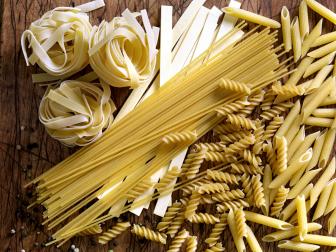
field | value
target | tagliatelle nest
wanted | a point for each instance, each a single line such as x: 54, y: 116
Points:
x: 59, y: 41
x: 77, y: 113
x: 122, y: 53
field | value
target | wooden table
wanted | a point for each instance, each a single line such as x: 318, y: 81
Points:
x: 25, y: 148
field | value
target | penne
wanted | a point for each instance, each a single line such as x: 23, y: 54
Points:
x: 266, y: 181
x: 332, y: 202
x: 327, y: 147
x: 328, y: 101
x: 285, y: 234
x: 325, y: 39
x: 319, y: 122
x: 239, y: 242
x: 311, y: 37
x: 325, y: 112
x: 322, y: 181
x: 323, y: 51
x: 267, y: 221
x: 296, y: 165
x: 302, y: 183
x: 296, y: 143
x: 252, y: 241
x: 319, y: 78
x: 296, y: 39
x: 322, y: 10
x: 293, y: 130
x: 319, y: 64
x: 251, y: 17
x: 290, y: 118
x: 291, y: 207
x: 286, y: 29
x: 303, y: 147
x: 317, y: 149
x: 332, y: 222
x: 303, y: 20
x: 302, y: 216
x: 297, y: 246
x: 296, y: 76
x: 323, y: 200
x: 319, y: 240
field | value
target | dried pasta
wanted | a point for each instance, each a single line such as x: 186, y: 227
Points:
x: 178, y: 241
x: 241, y: 121
x: 296, y: 39
x: 148, y: 234
x: 303, y: 20
x: 286, y: 31
x: 322, y: 10
x: 203, y: 218
x: 191, y: 245
x: 258, y: 191
x: 217, y: 230
x: 224, y: 177
x: 279, y: 201
x: 169, y: 216
x: 113, y: 232
x: 239, y: 242
x: 234, y: 86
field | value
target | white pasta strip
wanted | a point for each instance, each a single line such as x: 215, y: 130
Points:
x: 90, y: 6
x: 228, y: 21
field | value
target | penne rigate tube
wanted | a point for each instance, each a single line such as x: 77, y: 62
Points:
x: 267, y: 221
x: 302, y: 216
x: 325, y: 39
x: 251, y: 17
x: 325, y: 112
x: 322, y: 10
x: 284, y: 177
x: 319, y: 64
x: 297, y: 246
x: 331, y: 203
x: 317, y: 150
x: 239, y: 242
x: 323, y: 51
x: 252, y: 240
x: 290, y: 118
x: 285, y: 234
x: 286, y: 29
x: 295, y: 144
x: 300, y: 70
x: 319, y: 79
x: 296, y: 39
x: 266, y: 181
x: 332, y: 221
x: 319, y: 121
x: 293, y: 130
x: 311, y: 37
x: 302, y: 183
x: 323, y: 200
x: 319, y: 240
x: 303, y: 20
x: 327, y: 147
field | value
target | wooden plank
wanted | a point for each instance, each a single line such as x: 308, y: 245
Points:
x: 26, y: 150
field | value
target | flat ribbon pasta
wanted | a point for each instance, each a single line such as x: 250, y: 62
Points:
x: 59, y: 41
x: 76, y: 112
x: 122, y: 53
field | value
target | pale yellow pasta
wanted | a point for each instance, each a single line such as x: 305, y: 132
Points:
x: 286, y: 30
x: 325, y: 112
x: 319, y: 79
x: 178, y: 241
x: 286, y: 92
x: 241, y: 121
x: 311, y: 37
x: 267, y: 178
x: 325, y: 39
x: 191, y: 245
x: 323, y: 51
x: 319, y: 64
x: 285, y: 234
x: 192, y: 204
x: 149, y: 234
x: 252, y: 240
x: 319, y: 121
x: 267, y: 221
x: 302, y: 183
x: 327, y: 147
x: 300, y: 70
x: 291, y: 207
x: 272, y: 127
x: 325, y: 177
x: 279, y: 201
x: 322, y: 10
x: 284, y: 177
x: 251, y: 17
x: 320, y: 240
x: 332, y: 221
x: 297, y: 246
x: 239, y: 242
x: 323, y: 200
x: 331, y: 203
x: 293, y: 130
x: 302, y: 216
x: 303, y: 20
x: 296, y: 39
x: 234, y: 86
x: 295, y: 144
x: 317, y: 98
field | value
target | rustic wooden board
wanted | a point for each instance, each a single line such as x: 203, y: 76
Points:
x: 26, y: 150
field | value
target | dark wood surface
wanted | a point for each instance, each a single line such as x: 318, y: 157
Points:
x: 25, y: 148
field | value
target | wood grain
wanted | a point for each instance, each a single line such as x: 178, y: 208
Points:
x: 26, y: 150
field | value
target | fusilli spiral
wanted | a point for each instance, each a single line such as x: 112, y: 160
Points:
x: 254, y: 101
x: 219, y: 176
x: 203, y: 218
x: 218, y: 247
x: 234, y: 137
x: 240, y: 221
x: 178, y: 241
x: 228, y: 205
x: 245, y: 168
x: 167, y: 179
x: 232, y: 107
x: 281, y: 155
x: 217, y: 231
x: 191, y: 244
x: 234, y: 86
x: 276, y: 110
x: 228, y: 195
x: 240, y: 145
x: 192, y: 205
x: 169, y: 216
x: 240, y: 121
x: 213, y: 188
x: 148, y: 234
x: 272, y: 127
x: 258, y: 191
x: 113, y: 232
x: 209, y: 146
x: 180, y: 137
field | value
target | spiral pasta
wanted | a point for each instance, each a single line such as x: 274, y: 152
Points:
x: 240, y: 145
x: 180, y: 137
x: 240, y: 221
x: 219, y: 176
x: 209, y: 146
x: 232, y: 107
x: 254, y: 101
x: 279, y: 201
x: 228, y: 195
x: 178, y: 241
x: 259, y: 134
x: 113, y: 232
x: 203, y: 218
x: 231, y: 205
x: 287, y: 91
x: 281, y: 155
x: 59, y: 41
x: 276, y: 110
x: 169, y: 216
x: 218, y: 247
x: 217, y: 230
x: 148, y: 234
x: 188, y: 189
x: 272, y: 127
x: 191, y: 244
x: 268, y: 100
x: 270, y: 154
x: 219, y: 157
x: 76, y: 112
x: 192, y: 163
x: 92, y: 230
x: 176, y: 224
x: 247, y: 187
x: 213, y: 188
x: 234, y: 86
x: 168, y: 178
x: 206, y: 199
x: 225, y: 128
x: 245, y: 168
x: 234, y: 137
x: 192, y: 204
x: 240, y: 121
x: 122, y: 53
x: 250, y: 157
x: 258, y: 191
x: 139, y: 189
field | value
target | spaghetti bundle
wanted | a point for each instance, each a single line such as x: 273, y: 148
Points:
x: 122, y: 53
x: 133, y: 149
x: 76, y: 112
x: 59, y: 41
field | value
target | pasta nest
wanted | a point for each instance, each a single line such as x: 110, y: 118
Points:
x: 59, y: 41
x: 122, y: 53
x: 77, y: 113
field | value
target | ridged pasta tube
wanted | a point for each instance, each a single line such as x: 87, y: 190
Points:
x: 203, y: 218
x: 240, y: 145
x: 217, y: 230
x: 167, y: 179
x: 213, y: 188
x: 240, y: 121
x: 148, y: 234
x: 276, y: 110
x: 225, y: 177
x: 240, y: 221
x: 258, y: 191
x: 180, y: 137
x: 113, y: 232
x: 178, y: 241
x: 228, y: 195
x: 279, y: 201
x: 231, y: 205
x: 232, y: 107
x: 218, y: 247
x: 245, y: 168
x: 209, y: 146
x: 191, y: 244
x: 234, y: 137
x: 234, y: 86
x: 272, y: 127
x: 192, y: 204
x: 169, y: 216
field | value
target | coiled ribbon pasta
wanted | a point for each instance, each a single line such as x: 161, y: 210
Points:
x: 122, y: 53
x: 76, y: 112
x: 59, y: 41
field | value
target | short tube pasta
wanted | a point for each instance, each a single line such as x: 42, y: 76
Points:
x: 290, y: 118
x: 327, y: 147
x: 267, y: 221
x: 331, y: 203
x: 325, y: 39
x: 302, y: 183
x: 293, y: 130
x: 252, y: 240
x: 300, y: 70
x: 320, y: 240
x: 323, y: 51
x: 317, y: 149
x: 309, y: 38
x: 332, y: 222
x: 296, y: 39
x: 319, y: 122
x: 302, y: 216
x: 297, y: 246
x: 323, y: 200
x: 303, y: 20
x: 319, y: 78
x: 319, y: 64
x: 266, y: 181
x: 286, y: 30
x: 299, y: 138
x: 322, y: 10
x: 239, y: 242
x: 325, y: 112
